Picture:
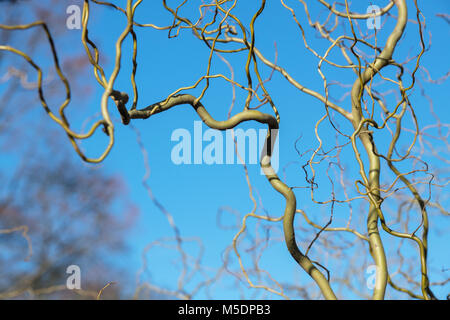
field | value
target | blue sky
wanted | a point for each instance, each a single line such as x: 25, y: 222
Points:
x: 194, y: 193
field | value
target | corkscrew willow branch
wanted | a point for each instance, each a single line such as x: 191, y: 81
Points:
x: 265, y: 162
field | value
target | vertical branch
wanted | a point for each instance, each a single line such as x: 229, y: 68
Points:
x: 366, y: 137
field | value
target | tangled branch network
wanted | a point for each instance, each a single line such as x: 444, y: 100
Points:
x: 218, y: 27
